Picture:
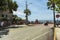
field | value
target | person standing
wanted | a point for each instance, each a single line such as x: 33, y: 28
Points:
x: 2, y: 24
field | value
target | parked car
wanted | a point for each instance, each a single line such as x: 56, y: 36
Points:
x: 46, y: 23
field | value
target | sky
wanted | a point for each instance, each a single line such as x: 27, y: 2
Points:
x: 38, y: 8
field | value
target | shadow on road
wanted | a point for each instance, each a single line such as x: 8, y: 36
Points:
x: 3, y: 31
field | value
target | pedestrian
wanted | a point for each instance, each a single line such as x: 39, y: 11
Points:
x: 2, y: 24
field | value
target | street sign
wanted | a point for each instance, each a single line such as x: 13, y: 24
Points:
x: 57, y: 16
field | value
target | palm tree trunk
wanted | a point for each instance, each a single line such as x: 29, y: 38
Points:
x: 54, y: 14
x: 54, y: 17
x: 26, y: 19
x: 54, y: 20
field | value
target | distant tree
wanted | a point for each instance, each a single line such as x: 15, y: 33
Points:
x: 27, y: 12
x: 36, y: 21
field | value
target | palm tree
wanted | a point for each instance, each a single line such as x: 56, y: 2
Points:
x: 27, y: 12
x: 55, y: 6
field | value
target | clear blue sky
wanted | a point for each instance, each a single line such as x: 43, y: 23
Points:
x: 38, y: 10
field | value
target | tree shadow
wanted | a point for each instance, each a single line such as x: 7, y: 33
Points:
x: 3, y: 31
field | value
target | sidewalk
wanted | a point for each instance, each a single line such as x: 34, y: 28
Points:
x: 57, y: 33
x: 20, y: 25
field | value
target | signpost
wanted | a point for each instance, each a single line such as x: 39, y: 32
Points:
x: 57, y: 16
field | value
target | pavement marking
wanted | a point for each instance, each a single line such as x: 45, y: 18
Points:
x: 40, y: 35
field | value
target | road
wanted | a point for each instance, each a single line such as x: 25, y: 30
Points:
x: 35, y: 32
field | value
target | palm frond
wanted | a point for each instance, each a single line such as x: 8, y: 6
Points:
x: 27, y: 11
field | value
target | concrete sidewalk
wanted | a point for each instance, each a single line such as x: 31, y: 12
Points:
x: 57, y: 31
x: 17, y: 26
x: 20, y: 25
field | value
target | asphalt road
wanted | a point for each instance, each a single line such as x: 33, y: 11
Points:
x: 35, y: 32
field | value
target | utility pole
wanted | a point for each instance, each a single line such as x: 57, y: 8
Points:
x: 26, y: 13
x: 26, y: 5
